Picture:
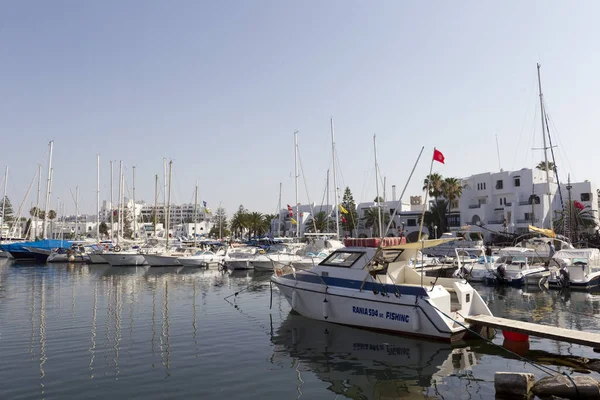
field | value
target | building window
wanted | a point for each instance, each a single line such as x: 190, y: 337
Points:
x: 517, y: 181
x: 528, y: 217
x: 499, y: 184
x: 478, y: 188
x: 411, y: 222
x: 500, y: 200
x: 585, y: 196
x: 484, y: 186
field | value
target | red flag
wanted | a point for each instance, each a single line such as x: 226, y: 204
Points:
x: 438, y: 156
x: 343, y: 219
x: 578, y: 205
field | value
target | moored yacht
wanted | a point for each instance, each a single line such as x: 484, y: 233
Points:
x: 375, y: 288
x: 579, y: 269
x: 517, y: 266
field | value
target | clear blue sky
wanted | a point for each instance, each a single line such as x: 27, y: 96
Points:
x: 220, y: 87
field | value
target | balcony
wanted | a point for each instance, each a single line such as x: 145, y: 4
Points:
x: 524, y: 203
x: 471, y: 206
x: 507, y: 204
x: 495, y: 222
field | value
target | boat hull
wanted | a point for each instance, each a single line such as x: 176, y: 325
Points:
x: 97, y: 259
x: 157, y: 260
x: 124, y: 259
x: 198, y: 262
x: 237, y: 264
x: 400, y: 315
x: 587, y: 284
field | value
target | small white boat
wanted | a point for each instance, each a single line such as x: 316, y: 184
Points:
x: 473, y: 264
x: 375, y: 288
x: 239, y: 258
x: 579, y: 269
x: 462, y: 239
x: 204, y: 258
x: 517, y: 266
x: 130, y: 258
x: 541, y: 246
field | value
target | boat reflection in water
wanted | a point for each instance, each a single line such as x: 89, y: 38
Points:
x: 365, y: 364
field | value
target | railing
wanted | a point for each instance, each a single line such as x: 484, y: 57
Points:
x: 474, y: 205
x: 508, y: 204
x: 495, y: 222
x: 524, y: 203
x: 524, y: 221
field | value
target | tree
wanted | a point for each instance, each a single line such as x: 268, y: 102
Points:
x: 452, y: 189
x: 351, y: 218
x: 219, y: 221
x: 8, y: 211
x: 51, y: 215
x: 371, y: 219
x: 256, y: 224
x: 574, y: 219
x: 437, y: 216
x: 378, y: 199
x: 542, y: 166
x: 239, y: 221
x: 435, y: 183
x: 103, y: 229
x: 321, y: 221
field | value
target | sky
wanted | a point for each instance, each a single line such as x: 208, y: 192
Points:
x: 221, y: 87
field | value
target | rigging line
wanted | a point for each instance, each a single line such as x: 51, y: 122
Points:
x: 307, y: 195
x: 523, y: 125
x: 562, y: 203
x: 561, y: 146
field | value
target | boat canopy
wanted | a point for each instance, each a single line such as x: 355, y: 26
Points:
x: 588, y: 254
x: 47, y: 244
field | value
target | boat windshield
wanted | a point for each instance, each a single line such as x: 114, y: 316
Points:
x: 519, y: 260
x: 579, y: 261
x: 344, y: 259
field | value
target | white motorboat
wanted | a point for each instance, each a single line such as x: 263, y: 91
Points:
x: 375, y: 288
x: 284, y: 254
x: 130, y: 258
x: 517, y: 266
x: 169, y: 258
x: 541, y: 246
x: 204, y: 258
x: 462, y: 239
x: 579, y: 269
x: 76, y: 253
x: 473, y: 264
x: 239, y: 258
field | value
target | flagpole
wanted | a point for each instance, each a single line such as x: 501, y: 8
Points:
x: 426, y: 194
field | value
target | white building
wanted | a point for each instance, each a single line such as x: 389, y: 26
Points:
x: 510, y: 201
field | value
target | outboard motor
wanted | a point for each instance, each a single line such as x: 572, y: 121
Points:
x: 564, y: 278
x: 501, y: 271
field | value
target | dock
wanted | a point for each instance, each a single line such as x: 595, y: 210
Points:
x: 543, y: 331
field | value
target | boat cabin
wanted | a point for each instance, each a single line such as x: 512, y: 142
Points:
x: 579, y: 262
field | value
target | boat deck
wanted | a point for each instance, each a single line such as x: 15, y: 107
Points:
x: 543, y: 331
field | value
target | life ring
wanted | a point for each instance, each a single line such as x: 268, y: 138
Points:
x: 117, y: 248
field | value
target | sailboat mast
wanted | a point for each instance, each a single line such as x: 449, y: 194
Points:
x: 168, y: 217
x: 98, y: 198
x: 296, y: 182
x: 196, y: 213
x: 76, y: 207
x: 112, y: 214
x: 279, y: 212
x: 155, y: 201
x: 48, y: 187
x: 4, y: 201
x: 165, y: 191
x: 134, y: 208
x: 335, y: 191
x: 119, y: 219
x: 327, y: 191
x: 549, y: 193
x: 37, y: 203
x: 377, y: 187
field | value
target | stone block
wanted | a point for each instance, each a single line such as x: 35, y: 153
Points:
x: 561, y: 386
x: 513, y: 385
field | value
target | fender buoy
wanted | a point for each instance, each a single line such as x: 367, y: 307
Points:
x: 325, y: 309
x: 117, y: 248
x: 294, y: 300
x: 416, y: 322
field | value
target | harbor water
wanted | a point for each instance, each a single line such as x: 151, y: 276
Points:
x: 87, y: 331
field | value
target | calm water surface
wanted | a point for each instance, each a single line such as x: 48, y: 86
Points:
x: 77, y: 331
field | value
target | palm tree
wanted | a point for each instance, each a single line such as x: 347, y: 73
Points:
x: 239, y: 222
x: 578, y: 219
x: 542, y: 166
x: 452, y: 189
x: 256, y: 224
x: 320, y: 221
x: 435, y: 182
x: 371, y: 219
x: 51, y: 217
x: 436, y: 216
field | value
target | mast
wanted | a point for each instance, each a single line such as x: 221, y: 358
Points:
x: 37, y: 203
x: 134, y: 208
x: 549, y: 193
x: 76, y: 208
x: 296, y: 182
x: 4, y: 201
x: 165, y: 191
x: 98, y: 198
x: 327, y: 191
x: 48, y: 187
x: 377, y: 188
x: 335, y: 191
x: 155, y: 201
x: 112, y: 214
x: 196, y: 213
x: 168, y: 217
x: 279, y: 212
x: 119, y: 220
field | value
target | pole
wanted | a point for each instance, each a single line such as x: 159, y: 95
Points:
x: 377, y: 188
x: 279, y: 212
x: 98, y: 198
x: 76, y: 208
x: 119, y: 218
x: 48, y: 187
x: 134, y: 208
x: 425, y: 202
x: 37, y: 203
x: 498, y: 152
x: 168, y: 217
x: 549, y: 193
x: 196, y: 213
x: 296, y: 182
x: 4, y: 201
x: 327, y: 191
x: 165, y: 191
x: 112, y: 214
x: 155, y: 201
x: 335, y: 189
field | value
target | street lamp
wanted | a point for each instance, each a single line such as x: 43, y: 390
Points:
x: 435, y: 231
